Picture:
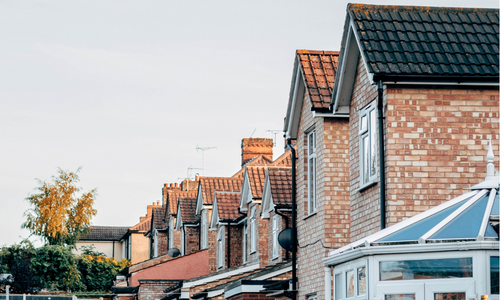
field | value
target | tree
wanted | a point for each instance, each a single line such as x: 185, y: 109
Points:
x: 57, y: 214
x: 16, y: 260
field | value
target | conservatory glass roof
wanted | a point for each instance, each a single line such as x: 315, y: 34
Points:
x: 469, y: 217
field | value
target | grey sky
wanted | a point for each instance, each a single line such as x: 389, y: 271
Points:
x: 128, y: 89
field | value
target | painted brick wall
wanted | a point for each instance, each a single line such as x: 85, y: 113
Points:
x: 330, y: 223
x: 192, y: 239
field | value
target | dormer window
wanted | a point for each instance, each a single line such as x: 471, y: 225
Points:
x: 368, y: 144
x: 245, y: 236
x: 204, y: 229
x: 311, y: 166
x: 253, y: 230
x: 275, y: 236
x: 183, y: 241
x: 220, y: 248
x: 171, y: 233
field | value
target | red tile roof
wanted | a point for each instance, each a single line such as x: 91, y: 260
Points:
x: 227, y: 205
x: 318, y: 69
x: 256, y: 178
x: 211, y: 184
x: 285, y: 159
x: 280, y: 181
x: 173, y: 197
x: 158, y: 214
x: 259, y: 160
x: 187, y: 205
x: 142, y: 226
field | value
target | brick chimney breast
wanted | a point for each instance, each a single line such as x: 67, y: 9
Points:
x: 252, y: 147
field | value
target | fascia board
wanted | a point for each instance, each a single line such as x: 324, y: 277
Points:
x: 291, y: 93
x: 214, y: 218
x: 244, y: 192
x: 178, y: 221
x: 266, y: 198
x: 360, y: 47
x: 215, y: 293
x: 220, y: 276
x: 409, y: 248
x: 297, y: 98
x: 199, y: 201
x: 274, y: 274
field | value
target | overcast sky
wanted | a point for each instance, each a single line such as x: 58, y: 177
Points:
x: 129, y: 89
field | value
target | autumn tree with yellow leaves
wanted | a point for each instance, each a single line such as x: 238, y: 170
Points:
x: 60, y: 213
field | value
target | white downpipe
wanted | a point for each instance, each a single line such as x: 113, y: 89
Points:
x: 7, y: 292
x: 328, y: 283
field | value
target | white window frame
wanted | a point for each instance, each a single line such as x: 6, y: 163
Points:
x: 171, y: 233
x: 245, y: 236
x: 220, y: 248
x: 253, y: 230
x: 155, y: 241
x: 311, y: 172
x: 342, y: 271
x: 183, y: 241
x: 204, y: 229
x: 368, y: 131
x: 275, y: 237
x: 488, y: 275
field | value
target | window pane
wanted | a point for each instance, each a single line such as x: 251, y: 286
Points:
x: 338, y: 286
x: 400, y: 297
x: 366, y: 158
x: 449, y: 296
x: 494, y: 279
x: 426, y: 269
x: 373, y: 142
x: 363, y: 122
x: 361, y: 281
x: 350, y: 283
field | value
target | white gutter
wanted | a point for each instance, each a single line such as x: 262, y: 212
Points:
x: 441, y: 83
x: 216, y: 276
x: 409, y: 248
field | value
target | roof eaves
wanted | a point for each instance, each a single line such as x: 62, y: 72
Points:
x: 296, y: 97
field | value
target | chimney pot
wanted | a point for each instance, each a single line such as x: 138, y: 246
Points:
x: 165, y: 184
x: 197, y: 178
x: 176, y: 185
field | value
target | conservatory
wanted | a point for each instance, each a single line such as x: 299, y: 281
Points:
x: 450, y: 252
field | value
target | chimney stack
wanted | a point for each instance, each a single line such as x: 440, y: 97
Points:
x: 252, y: 147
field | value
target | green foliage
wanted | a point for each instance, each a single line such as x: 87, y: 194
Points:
x: 55, y: 268
x: 57, y: 214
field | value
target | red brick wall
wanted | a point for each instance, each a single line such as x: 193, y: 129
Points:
x: 152, y: 289
x: 436, y: 145
x: 192, y: 239
x: 233, y: 236
x: 248, y: 296
x: 162, y: 242
x: 330, y: 223
x: 212, y: 250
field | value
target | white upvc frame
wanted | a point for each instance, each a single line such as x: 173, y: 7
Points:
x: 274, y: 236
x: 488, y: 274
x: 171, y: 233
x: 244, y: 241
x: 204, y: 229
x: 311, y: 172
x: 342, y: 270
x: 253, y: 229
x: 368, y: 144
x: 220, y: 247
x: 155, y: 242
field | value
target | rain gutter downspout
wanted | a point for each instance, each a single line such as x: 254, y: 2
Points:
x: 380, y: 106
x: 294, y: 223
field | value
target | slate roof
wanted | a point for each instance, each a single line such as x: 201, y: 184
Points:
x: 227, y: 205
x: 211, y: 184
x: 318, y: 69
x: 104, y: 233
x: 280, y: 181
x: 173, y: 198
x: 187, y: 205
x: 428, y: 41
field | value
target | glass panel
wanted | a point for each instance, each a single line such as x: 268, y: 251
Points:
x: 465, y: 225
x: 414, y: 231
x: 449, y: 296
x: 400, y: 297
x: 495, y: 209
x: 361, y: 281
x: 426, y: 269
x: 494, y: 279
x: 363, y: 122
x: 373, y: 142
x: 338, y: 286
x: 350, y: 283
x: 366, y: 158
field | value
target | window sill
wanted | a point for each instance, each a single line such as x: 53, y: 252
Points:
x: 367, y: 185
x: 252, y: 252
x: 275, y: 258
x: 310, y: 215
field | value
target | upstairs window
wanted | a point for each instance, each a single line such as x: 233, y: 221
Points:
x: 204, y: 229
x: 275, y: 237
x: 183, y: 241
x: 171, y: 233
x: 311, y: 166
x: 220, y: 248
x: 155, y: 243
x: 245, y: 236
x: 368, y: 144
x: 253, y: 230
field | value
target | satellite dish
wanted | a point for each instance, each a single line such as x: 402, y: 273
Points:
x: 173, y: 252
x: 285, y: 239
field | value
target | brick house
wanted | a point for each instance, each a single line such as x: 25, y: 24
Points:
x: 171, y: 206
x: 322, y: 166
x: 157, y: 234
x: 188, y: 225
x: 225, y: 221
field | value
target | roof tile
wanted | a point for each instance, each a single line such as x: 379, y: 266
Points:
x: 280, y: 181
x: 187, y: 205
x: 228, y: 205
x: 104, y: 233
x: 209, y: 185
